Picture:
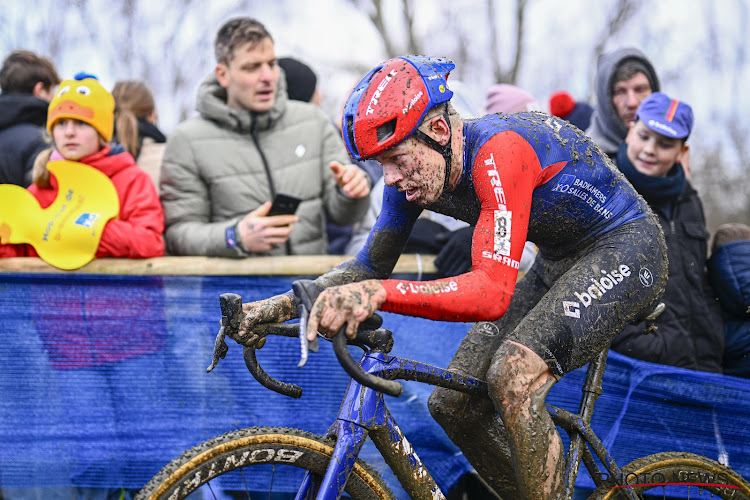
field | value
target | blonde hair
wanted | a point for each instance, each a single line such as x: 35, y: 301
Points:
x: 133, y: 100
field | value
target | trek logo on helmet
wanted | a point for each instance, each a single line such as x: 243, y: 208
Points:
x: 381, y: 87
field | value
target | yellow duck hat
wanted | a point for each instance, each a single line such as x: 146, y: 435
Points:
x: 83, y: 98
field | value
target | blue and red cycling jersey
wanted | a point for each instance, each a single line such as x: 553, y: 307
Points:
x: 525, y: 176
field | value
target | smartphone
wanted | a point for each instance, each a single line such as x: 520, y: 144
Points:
x: 284, y: 204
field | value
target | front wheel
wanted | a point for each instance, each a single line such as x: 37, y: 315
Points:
x: 678, y: 475
x: 260, y: 462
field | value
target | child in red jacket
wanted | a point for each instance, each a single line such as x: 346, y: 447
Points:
x: 80, y: 121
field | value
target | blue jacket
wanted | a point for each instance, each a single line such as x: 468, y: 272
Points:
x: 729, y: 271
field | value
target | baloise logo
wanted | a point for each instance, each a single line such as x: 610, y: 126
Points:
x: 596, y: 290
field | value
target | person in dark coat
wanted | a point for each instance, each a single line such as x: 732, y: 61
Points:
x: 689, y: 333
x: 729, y: 272
x: 28, y: 82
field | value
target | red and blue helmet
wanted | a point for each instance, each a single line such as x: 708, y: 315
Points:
x: 389, y: 103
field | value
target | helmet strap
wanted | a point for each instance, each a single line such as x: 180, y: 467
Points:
x: 446, y: 151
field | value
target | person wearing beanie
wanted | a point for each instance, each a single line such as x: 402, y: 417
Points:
x: 80, y: 120
x: 624, y: 78
x: 562, y: 104
x: 301, y: 81
x: 689, y: 332
x: 506, y: 98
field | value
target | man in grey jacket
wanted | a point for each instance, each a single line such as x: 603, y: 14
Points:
x: 222, y: 168
x: 623, y: 79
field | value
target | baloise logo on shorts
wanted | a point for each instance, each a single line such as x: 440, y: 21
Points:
x: 596, y: 290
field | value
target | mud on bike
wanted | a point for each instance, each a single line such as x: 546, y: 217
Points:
x: 327, y: 467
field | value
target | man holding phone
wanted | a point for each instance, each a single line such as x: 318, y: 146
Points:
x: 249, y: 145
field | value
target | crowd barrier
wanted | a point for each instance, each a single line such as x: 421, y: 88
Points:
x: 103, y: 376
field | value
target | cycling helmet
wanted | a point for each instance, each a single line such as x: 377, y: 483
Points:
x: 388, y: 104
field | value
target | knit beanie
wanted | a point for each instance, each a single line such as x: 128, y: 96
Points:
x: 83, y: 98
x: 562, y: 104
x: 505, y: 98
x: 300, y: 79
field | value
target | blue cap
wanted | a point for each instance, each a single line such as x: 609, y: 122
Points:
x: 666, y: 116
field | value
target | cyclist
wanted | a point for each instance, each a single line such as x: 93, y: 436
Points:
x: 601, y: 259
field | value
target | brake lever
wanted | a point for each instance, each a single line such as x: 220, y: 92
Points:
x: 307, y: 291
x: 231, y: 316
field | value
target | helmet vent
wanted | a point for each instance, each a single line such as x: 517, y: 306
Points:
x: 350, y: 135
x: 386, y: 130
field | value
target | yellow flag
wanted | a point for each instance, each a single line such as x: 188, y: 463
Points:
x: 66, y: 234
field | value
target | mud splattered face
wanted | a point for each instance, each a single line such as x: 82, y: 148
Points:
x: 414, y: 168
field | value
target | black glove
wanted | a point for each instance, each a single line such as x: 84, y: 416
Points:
x: 455, y: 256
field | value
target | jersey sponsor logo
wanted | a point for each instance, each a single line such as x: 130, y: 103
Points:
x: 553, y: 124
x: 381, y: 87
x: 429, y: 287
x: 502, y: 259
x: 413, y: 102
x: 502, y: 232
x: 646, y: 277
x: 585, y: 191
x: 598, y: 288
x: 497, y: 186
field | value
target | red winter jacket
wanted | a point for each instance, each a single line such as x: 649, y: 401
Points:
x: 137, y: 231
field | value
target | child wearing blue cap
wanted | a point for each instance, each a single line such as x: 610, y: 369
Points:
x: 689, y: 333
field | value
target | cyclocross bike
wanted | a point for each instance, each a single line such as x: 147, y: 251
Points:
x: 327, y: 467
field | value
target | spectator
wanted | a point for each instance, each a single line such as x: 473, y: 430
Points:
x: 689, y: 332
x: 222, y: 169
x: 135, y: 125
x: 623, y: 79
x: 301, y: 81
x: 562, y: 104
x: 80, y: 120
x: 505, y: 98
x: 729, y: 271
x: 28, y: 82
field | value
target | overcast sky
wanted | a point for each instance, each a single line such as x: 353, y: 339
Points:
x: 172, y: 40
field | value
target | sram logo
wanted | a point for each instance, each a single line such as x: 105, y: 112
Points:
x: 596, y: 290
x: 502, y: 259
x: 428, y: 287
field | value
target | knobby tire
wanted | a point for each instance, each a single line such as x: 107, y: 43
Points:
x: 258, y: 446
x: 696, y: 475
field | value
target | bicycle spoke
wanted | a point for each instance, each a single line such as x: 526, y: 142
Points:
x: 244, y: 481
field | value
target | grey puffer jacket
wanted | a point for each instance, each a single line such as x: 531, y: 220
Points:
x: 607, y: 129
x: 213, y: 173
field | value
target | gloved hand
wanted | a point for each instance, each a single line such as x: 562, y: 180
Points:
x: 455, y: 256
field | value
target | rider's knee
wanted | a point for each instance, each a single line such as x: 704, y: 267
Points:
x: 513, y: 375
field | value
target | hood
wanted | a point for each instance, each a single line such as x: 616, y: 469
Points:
x: 212, y: 105
x: 22, y: 108
x: 607, y: 129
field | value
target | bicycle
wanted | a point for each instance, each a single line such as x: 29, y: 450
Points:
x: 328, y: 466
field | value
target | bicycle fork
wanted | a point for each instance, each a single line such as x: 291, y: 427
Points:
x: 363, y: 412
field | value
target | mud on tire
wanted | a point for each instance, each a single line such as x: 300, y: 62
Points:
x: 705, y: 477
x: 257, y: 446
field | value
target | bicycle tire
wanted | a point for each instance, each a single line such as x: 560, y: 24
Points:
x: 704, y: 477
x: 258, y: 447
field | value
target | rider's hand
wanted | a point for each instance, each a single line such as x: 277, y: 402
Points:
x: 344, y: 305
x: 351, y: 179
x: 259, y: 233
x: 276, y: 309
